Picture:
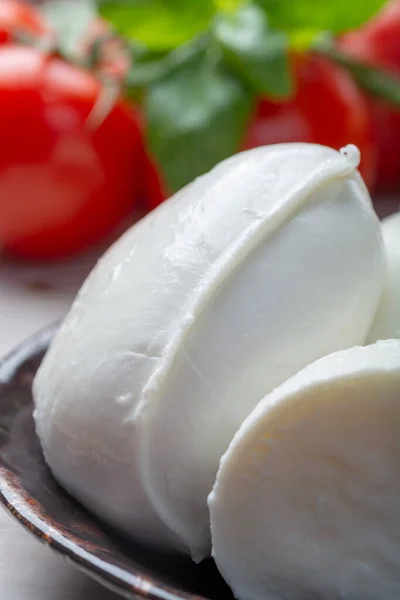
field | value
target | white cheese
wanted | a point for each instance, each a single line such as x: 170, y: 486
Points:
x: 306, y: 501
x: 387, y: 321
x: 268, y: 262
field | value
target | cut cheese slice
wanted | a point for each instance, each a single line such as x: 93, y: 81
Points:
x: 387, y: 321
x: 306, y: 501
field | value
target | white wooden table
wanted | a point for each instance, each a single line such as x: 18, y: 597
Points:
x: 28, y: 570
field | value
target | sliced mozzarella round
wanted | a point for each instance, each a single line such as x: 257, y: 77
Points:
x: 387, y: 321
x: 306, y: 500
x: 268, y: 262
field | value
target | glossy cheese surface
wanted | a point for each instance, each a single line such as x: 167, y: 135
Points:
x: 387, y: 320
x: 306, y: 499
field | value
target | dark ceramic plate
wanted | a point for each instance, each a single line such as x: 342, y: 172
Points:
x: 29, y: 492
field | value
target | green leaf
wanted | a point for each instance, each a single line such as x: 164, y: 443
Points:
x: 228, y: 5
x: 159, y: 24
x: 315, y: 16
x: 70, y: 20
x: 196, y: 117
x: 255, y: 50
x: 150, y: 66
x: 147, y: 68
x: 377, y: 82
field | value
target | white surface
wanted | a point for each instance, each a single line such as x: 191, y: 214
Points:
x: 190, y: 320
x: 28, y: 570
x: 306, y: 499
x: 387, y: 319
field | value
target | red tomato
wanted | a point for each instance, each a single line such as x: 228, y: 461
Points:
x: 378, y: 40
x: 17, y: 17
x: 327, y: 109
x: 378, y: 43
x: 63, y: 184
x: 154, y: 191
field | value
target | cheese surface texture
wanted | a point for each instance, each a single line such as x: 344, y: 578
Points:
x: 268, y: 262
x: 387, y: 321
x: 306, y: 501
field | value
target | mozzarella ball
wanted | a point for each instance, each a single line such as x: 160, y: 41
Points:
x: 387, y: 321
x: 306, y: 501
x: 271, y: 260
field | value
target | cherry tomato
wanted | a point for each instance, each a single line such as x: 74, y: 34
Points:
x: 326, y: 109
x: 67, y: 179
x: 154, y: 191
x: 18, y: 17
x: 378, y: 40
x: 378, y: 43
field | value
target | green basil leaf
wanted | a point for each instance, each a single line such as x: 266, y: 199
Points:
x: 70, y: 19
x: 196, y: 116
x: 314, y: 16
x: 378, y: 82
x: 159, y: 24
x: 150, y: 66
x: 147, y: 68
x: 228, y: 5
x: 255, y: 50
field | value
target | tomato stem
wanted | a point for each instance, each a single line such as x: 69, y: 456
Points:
x: 105, y: 102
